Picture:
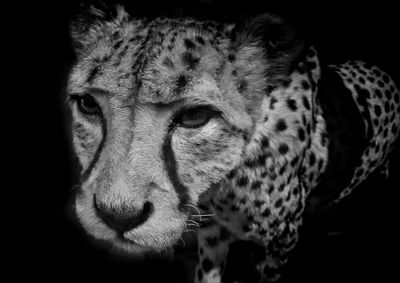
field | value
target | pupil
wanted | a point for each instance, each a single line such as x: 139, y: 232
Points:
x: 89, y: 103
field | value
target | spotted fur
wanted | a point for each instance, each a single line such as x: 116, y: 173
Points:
x: 275, y: 123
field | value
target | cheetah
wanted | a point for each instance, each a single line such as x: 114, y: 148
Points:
x: 172, y: 119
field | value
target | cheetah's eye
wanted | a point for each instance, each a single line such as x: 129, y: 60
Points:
x: 195, y: 117
x: 88, y: 105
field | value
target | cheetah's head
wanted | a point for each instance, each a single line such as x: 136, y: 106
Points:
x: 161, y: 111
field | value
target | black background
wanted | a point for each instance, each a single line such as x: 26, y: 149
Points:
x: 42, y: 240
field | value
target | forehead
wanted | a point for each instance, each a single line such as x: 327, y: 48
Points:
x: 157, y: 61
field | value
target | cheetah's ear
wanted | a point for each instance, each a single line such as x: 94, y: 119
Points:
x: 280, y: 42
x: 90, y: 20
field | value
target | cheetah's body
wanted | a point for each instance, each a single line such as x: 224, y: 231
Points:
x: 270, y: 137
x: 355, y: 127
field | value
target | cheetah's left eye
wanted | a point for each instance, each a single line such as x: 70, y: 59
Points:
x: 195, y: 117
x: 87, y: 104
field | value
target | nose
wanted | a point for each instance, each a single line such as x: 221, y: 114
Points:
x: 123, y: 219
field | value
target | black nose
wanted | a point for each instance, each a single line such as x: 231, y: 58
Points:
x: 125, y: 219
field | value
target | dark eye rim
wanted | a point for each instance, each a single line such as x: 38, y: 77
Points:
x: 79, y: 100
x: 212, y: 113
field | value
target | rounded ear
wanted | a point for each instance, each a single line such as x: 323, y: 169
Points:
x: 89, y: 20
x: 280, y: 41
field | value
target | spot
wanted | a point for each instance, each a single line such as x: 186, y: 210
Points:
x: 272, y: 102
x: 242, y: 85
x: 242, y: 181
x: 386, y: 78
x: 264, y: 142
x: 278, y: 203
x: 380, y: 83
x: 200, y: 40
x: 283, y: 169
x: 362, y: 72
x: 231, y: 174
x: 281, y: 188
x: 231, y: 57
x: 189, y: 44
x: 378, y: 93
x: 258, y: 203
x: 266, y: 212
x: 201, y: 251
x: 211, y: 241
x: 283, y: 148
x: 292, y: 105
x: 118, y: 44
x: 207, y: 265
x: 305, y: 85
x: 294, y: 161
x: 385, y: 133
x: 387, y: 107
x: 92, y: 74
x: 376, y: 122
x: 312, y: 159
x: 361, y: 80
x: 234, y: 73
x: 167, y: 62
x: 255, y: 185
x: 377, y: 72
x: 189, y: 60
x: 301, y: 69
x: 378, y: 110
x: 388, y: 94
x: 234, y: 207
x: 265, y: 118
x: 371, y: 79
x: 181, y: 83
x: 301, y: 134
x: 261, y: 160
x: 271, y: 189
x: 231, y: 195
x: 280, y: 125
x: 220, y: 208
x: 306, y: 103
x: 199, y: 274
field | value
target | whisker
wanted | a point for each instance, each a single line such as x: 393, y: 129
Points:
x: 74, y: 187
x: 202, y: 215
x: 192, y: 222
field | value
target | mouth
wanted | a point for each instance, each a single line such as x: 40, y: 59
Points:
x: 121, y: 238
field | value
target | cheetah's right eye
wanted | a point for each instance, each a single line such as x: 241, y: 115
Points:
x: 195, y: 117
x: 88, y: 105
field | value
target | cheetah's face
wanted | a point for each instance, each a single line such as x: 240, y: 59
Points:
x: 143, y: 164
x: 160, y: 112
